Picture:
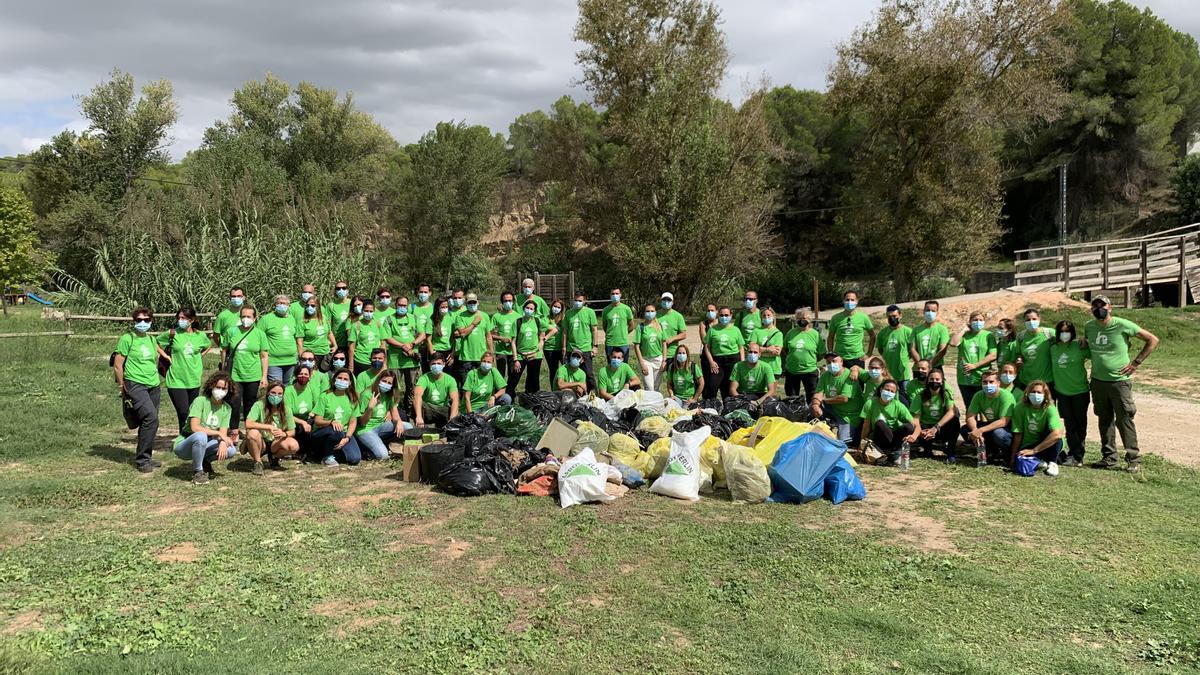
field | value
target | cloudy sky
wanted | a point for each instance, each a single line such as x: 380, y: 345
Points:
x: 410, y: 63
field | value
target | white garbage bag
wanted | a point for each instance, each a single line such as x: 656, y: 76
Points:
x: 681, y: 476
x: 581, y: 479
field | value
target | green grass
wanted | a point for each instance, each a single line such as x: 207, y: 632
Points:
x: 943, y: 569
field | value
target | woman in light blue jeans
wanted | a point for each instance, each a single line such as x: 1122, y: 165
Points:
x: 379, y: 416
x: 208, y: 420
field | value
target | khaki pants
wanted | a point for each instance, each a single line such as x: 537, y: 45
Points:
x: 1113, y: 403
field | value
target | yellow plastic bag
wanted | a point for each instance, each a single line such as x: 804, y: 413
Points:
x: 625, y: 449
x: 710, y: 460
x: 590, y: 436
x: 746, y: 476
x: 657, y: 425
x: 658, y: 451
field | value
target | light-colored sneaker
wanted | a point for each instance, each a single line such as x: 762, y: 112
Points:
x: 257, y: 470
x: 330, y: 461
x: 199, y: 478
x: 1052, y: 469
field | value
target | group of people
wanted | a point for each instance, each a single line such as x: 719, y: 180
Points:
x: 322, y: 379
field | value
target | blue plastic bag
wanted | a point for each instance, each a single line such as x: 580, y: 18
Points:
x: 630, y: 477
x: 1027, y: 465
x: 799, y: 468
x: 842, y: 483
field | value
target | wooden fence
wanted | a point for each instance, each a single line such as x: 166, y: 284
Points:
x: 69, y: 333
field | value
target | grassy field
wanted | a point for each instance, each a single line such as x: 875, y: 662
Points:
x: 942, y: 569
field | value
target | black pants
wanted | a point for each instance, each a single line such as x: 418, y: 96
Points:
x: 532, y: 370
x: 554, y: 359
x: 145, y: 407
x: 1074, y: 411
x: 182, y: 399
x: 504, y: 364
x: 410, y: 377
x: 460, y: 370
x: 589, y: 371
x: 888, y: 439
x: 247, y: 394
x: 719, y: 381
x: 948, y: 434
x: 968, y: 391
x: 360, y: 367
x: 794, y: 382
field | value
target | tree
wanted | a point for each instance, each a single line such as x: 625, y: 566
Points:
x: 525, y: 137
x: 1186, y: 184
x: 448, y: 196
x: 21, y: 261
x: 938, y: 82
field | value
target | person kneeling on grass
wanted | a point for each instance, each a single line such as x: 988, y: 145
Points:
x: 436, y: 399
x: 379, y: 416
x: 270, y: 429
x: 685, y: 379
x: 988, y: 415
x: 300, y: 397
x: 334, y: 421
x: 889, y: 424
x: 753, y: 376
x: 208, y: 418
x: 938, y: 416
x: 1037, y: 428
x: 485, y: 385
x: 616, y: 376
x: 839, y: 398
x: 571, y: 376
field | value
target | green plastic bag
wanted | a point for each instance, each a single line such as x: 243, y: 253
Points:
x: 517, y: 423
x: 741, y: 418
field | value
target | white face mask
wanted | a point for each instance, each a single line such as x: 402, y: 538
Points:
x: 218, y: 394
x: 247, y: 322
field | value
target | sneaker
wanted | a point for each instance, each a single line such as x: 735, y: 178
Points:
x: 208, y: 469
x: 951, y: 459
x: 1105, y: 466
x: 258, y: 469
x: 274, y: 465
x: 1134, y: 468
x: 145, y: 468
x: 330, y: 461
x: 155, y: 463
x: 199, y: 478
x: 1052, y: 469
x: 1071, y: 461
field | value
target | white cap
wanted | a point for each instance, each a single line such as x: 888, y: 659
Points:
x: 667, y: 296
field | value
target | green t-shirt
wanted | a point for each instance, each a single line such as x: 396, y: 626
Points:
x: 423, y: 315
x: 258, y: 412
x: 683, y: 379
x: 281, y: 333
x: 673, y: 324
x: 1034, y: 423
x: 554, y: 342
x: 366, y: 336
x: 529, y: 336
x: 930, y: 412
x: 724, y: 340
x: 770, y: 337
x: 301, y: 403
x: 226, y: 319
x: 383, y: 314
x: 443, y: 335
x: 869, y: 385
x: 1109, y: 346
x: 988, y: 410
x: 612, y: 381
x: 338, y: 315
x: 568, y: 374
x: 752, y: 379
x: 1070, y: 373
x: 504, y: 328
x: 481, y: 385
x: 849, y: 332
x: 296, y: 310
x: 379, y: 412
x: 1007, y: 351
x: 187, y: 358
x: 437, y: 391
x: 800, y: 354
x: 315, y: 333
x: 335, y: 407
x: 473, y: 346
x: 540, y: 307
x: 893, y: 413
x: 930, y: 338
x: 405, y: 330
x: 649, y: 339
x: 616, y: 320
x: 841, y: 384
x: 247, y: 353
x: 975, y: 346
x: 579, y: 324
x: 210, y: 417
x: 141, y: 358
x: 1034, y: 348
x: 893, y: 345
x: 364, y: 380
x: 319, y: 381
x: 748, y: 321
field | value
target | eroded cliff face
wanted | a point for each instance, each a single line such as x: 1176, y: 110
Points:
x: 520, y: 216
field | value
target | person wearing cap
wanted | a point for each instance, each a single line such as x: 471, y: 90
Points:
x: 473, y: 338
x: 800, y: 347
x: 571, y: 376
x: 617, y: 318
x: 895, y: 345
x: 673, y: 324
x: 542, y: 309
x: 582, y: 335
x: 754, y: 376
x: 748, y: 319
x: 848, y: 330
x: 839, y: 398
x: 932, y: 337
x: 1107, y: 339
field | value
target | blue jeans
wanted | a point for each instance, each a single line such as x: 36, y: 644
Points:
x: 325, y: 438
x: 199, y: 449
x: 280, y: 374
x: 850, y: 434
x: 997, y: 442
x: 375, y: 441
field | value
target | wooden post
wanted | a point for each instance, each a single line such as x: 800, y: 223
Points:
x: 1145, y: 270
x: 1104, y: 266
x: 67, y: 321
x: 1066, y: 256
x: 816, y: 300
x: 1183, y: 289
x: 570, y: 290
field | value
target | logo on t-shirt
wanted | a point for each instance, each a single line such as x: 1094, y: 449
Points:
x: 1102, y: 339
x: 1031, y: 350
x: 338, y: 412
x: 1063, y: 360
x: 212, y: 421
x: 145, y: 351
x: 1032, y: 425
x: 893, y: 344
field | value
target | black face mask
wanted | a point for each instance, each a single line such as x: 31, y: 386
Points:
x: 893, y: 321
x: 920, y: 376
x: 1100, y: 313
x: 802, y: 323
x: 933, y: 386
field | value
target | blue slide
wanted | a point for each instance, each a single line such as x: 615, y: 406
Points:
x: 36, y: 299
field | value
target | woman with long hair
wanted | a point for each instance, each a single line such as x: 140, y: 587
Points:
x: 532, y: 329
x: 648, y: 347
x: 441, y: 339
x: 335, y: 420
x: 555, y: 344
x: 938, y: 416
x: 300, y: 397
x: 185, y: 345
x: 1036, y: 427
x: 379, y: 416
x: 208, y: 428
x: 888, y: 423
x: 365, y: 334
x: 248, y: 349
x: 270, y: 428
x: 1069, y: 356
x: 135, y: 367
x: 316, y: 334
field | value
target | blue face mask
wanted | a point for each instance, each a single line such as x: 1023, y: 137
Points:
x: 976, y: 325
x: 339, y: 363
x: 650, y: 315
x: 681, y: 357
x: 310, y: 310
x: 473, y: 307
x: 615, y: 298
x: 341, y: 385
x: 930, y: 316
x: 850, y: 304
x: 667, y: 304
x: 835, y: 368
x: 444, y: 310
x: 528, y: 312
x: 710, y: 315
x: 578, y: 304
x: 237, y: 302
x: 724, y: 320
x: 887, y: 395
x: 341, y: 293
x: 436, y: 368
x: 768, y: 320
x: 616, y: 363
x: 305, y: 295
x: 141, y: 326
x: 377, y: 363
x: 385, y: 302
x: 1036, y: 397
x: 182, y: 324
x: 385, y: 387
x: 556, y: 310
x: 456, y: 302
x: 357, y: 309
x: 423, y: 297
x: 309, y: 363
x: 875, y: 373
x: 1007, y: 378
x: 752, y: 357
x: 368, y: 315
x: 281, y: 309
x: 274, y: 399
x: 575, y: 361
x: 485, y: 367
x: 748, y: 304
x: 527, y: 291
x: 507, y: 304
x: 990, y: 388
x: 402, y: 310
x: 1032, y: 324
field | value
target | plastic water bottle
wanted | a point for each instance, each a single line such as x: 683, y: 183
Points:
x: 905, y: 456
x: 981, y: 457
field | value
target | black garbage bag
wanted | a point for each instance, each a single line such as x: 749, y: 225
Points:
x: 566, y: 398
x: 710, y: 403
x: 465, y: 421
x: 619, y: 426
x: 475, y: 442
x: 631, y: 417
x: 645, y: 438
x: 795, y: 409
x: 546, y: 405
x: 477, y: 476
x: 740, y: 417
x: 721, y: 427
x: 745, y: 402
x: 437, y: 456
x: 521, y: 455
x: 582, y: 412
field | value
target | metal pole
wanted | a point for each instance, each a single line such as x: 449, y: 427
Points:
x: 1062, y: 203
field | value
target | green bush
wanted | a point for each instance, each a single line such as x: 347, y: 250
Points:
x: 1186, y: 182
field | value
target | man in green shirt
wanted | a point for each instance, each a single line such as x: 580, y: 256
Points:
x: 988, y: 417
x: 839, y: 398
x: 472, y: 330
x: 504, y: 332
x: 228, y: 317
x: 753, y: 376
x: 338, y: 313
x: 1107, y: 339
x: 135, y: 365
x: 582, y: 335
x: 570, y: 375
x: 543, y: 310
x: 617, y: 375
x: 458, y: 302
x: 617, y: 318
x: 932, y: 337
x: 383, y: 305
x: 296, y: 310
x: 748, y: 319
x: 673, y: 324
x: 848, y: 330
x: 436, y: 399
x: 895, y: 345
x: 404, y: 335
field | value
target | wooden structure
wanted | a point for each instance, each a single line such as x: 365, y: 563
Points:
x: 552, y: 286
x: 1129, y: 265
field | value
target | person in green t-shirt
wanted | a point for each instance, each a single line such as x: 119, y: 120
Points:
x: 801, y: 348
x: 316, y: 335
x: 673, y: 324
x: 135, y: 366
x: 365, y: 335
x: 485, y: 386
x: 770, y: 338
x: 378, y: 417
x: 685, y: 378
x: 571, y: 375
x: 339, y: 312
x: 248, y: 347
x: 539, y: 304
x: 307, y: 292
x: 931, y: 339
x: 555, y: 344
x: 228, y: 318
x: 270, y: 428
x: 873, y: 377
x: 648, y: 340
x: 1037, y: 428
x: 839, y: 398
x: 848, y: 331
x: 423, y: 309
x: 888, y: 422
x: 753, y: 376
x: 207, y: 433
x: 473, y: 338
x: 185, y: 347
x: 437, y: 394
x: 532, y: 331
x: 976, y: 352
x: 1033, y: 347
x: 1008, y: 380
x: 616, y: 376
x: 724, y: 347
x: 988, y: 421
x: 895, y: 345
x: 405, y: 336
x: 583, y: 334
x: 364, y: 380
x: 617, y: 320
x: 1107, y: 337
x: 441, y: 334
x: 1071, y: 395
x: 335, y: 420
x: 504, y: 332
x: 748, y: 319
x: 921, y: 370
x: 285, y: 338
x: 301, y: 397
x: 937, y: 414
x: 384, y: 309
x: 1006, y: 342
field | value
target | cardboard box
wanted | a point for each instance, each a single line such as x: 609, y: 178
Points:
x: 558, y: 438
x: 408, y: 452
